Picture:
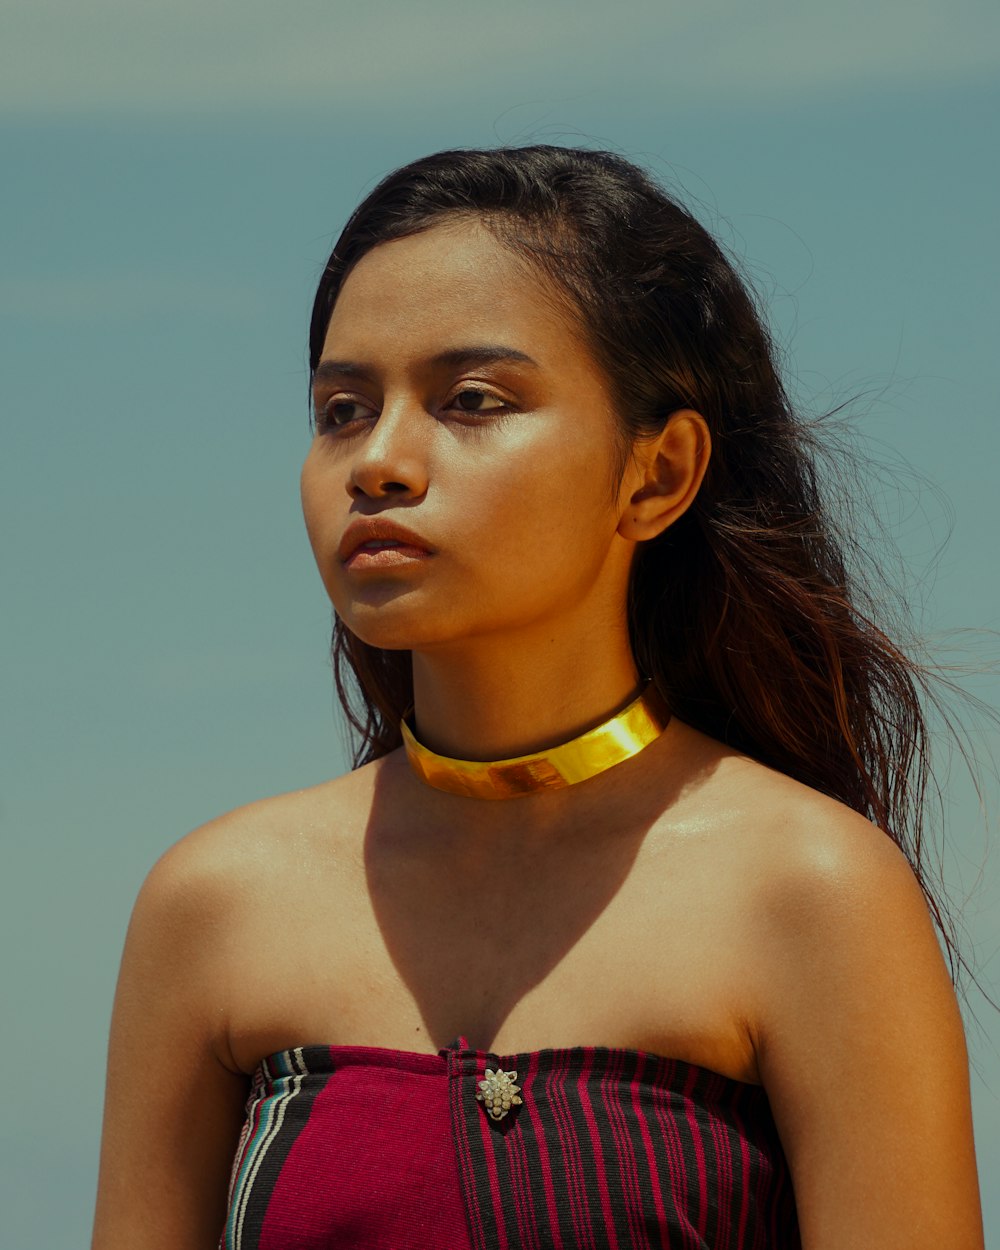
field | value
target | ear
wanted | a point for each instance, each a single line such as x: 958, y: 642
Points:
x: 664, y: 476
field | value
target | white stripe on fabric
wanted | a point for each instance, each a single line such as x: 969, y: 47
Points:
x: 266, y: 1135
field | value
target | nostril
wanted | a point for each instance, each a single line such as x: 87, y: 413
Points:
x: 356, y: 489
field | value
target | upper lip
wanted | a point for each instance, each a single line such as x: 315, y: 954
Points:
x: 367, y: 529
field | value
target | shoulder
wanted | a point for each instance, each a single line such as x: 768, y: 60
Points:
x: 817, y: 852
x: 858, y: 1035
x: 821, y: 880
x: 794, y: 840
x: 788, y: 842
x: 826, y: 872
x: 231, y: 861
x: 846, y: 937
x: 217, y: 897
x: 826, y: 904
x: 849, y: 939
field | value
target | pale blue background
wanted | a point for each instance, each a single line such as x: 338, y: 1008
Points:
x: 172, y: 178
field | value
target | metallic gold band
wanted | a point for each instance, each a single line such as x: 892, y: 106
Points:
x: 624, y: 735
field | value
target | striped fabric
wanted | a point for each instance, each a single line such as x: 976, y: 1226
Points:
x: 360, y: 1146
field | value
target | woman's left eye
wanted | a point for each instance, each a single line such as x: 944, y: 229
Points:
x: 470, y: 399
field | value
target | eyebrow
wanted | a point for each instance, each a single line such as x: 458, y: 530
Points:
x: 455, y: 358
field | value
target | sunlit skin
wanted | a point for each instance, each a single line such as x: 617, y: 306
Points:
x: 689, y: 902
x: 517, y: 622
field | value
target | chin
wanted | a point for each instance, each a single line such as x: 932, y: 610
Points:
x: 397, y: 625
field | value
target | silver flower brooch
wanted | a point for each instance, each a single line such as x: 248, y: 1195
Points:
x: 498, y: 1093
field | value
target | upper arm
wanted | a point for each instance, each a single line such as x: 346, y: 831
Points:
x: 861, y: 1049
x: 174, y: 1105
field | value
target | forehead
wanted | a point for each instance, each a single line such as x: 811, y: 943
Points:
x: 452, y: 282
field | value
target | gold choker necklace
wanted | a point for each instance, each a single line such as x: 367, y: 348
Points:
x: 618, y: 739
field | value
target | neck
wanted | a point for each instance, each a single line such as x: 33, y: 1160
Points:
x: 495, y: 705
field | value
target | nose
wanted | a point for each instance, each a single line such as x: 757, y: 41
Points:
x: 391, y: 458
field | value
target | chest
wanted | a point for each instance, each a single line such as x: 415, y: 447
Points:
x: 641, y: 945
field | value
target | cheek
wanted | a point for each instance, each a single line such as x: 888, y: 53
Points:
x: 307, y: 494
x: 317, y: 494
x: 549, y: 513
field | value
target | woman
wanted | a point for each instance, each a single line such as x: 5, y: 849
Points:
x: 611, y: 938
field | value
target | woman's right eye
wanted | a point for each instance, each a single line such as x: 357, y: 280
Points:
x: 339, y: 411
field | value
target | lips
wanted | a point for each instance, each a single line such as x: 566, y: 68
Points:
x: 379, y: 529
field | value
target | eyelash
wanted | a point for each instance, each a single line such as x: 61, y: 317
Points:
x: 324, y: 424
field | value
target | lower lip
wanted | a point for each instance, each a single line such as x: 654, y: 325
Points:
x: 384, y: 557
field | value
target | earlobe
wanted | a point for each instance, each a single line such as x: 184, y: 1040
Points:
x: 673, y: 467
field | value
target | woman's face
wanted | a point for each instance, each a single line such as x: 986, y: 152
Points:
x: 454, y: 398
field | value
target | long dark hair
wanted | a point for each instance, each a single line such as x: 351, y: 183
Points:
x: 744, y: 612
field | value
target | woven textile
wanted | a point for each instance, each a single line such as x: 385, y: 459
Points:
x: 360, y: 1146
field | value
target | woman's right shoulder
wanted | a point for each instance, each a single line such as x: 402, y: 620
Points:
x: 230, y: 858
x: 199, y: 967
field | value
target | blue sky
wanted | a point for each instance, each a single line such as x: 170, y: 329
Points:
x: 174, y: 175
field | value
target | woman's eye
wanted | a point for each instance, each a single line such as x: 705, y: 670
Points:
x: 339, y: 412
x: 471, y: 400
x: 343, y: 410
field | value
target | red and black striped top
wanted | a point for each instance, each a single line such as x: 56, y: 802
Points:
x: 351, y: 1146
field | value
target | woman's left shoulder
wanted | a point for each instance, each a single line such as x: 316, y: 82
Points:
x: 842, y: 930
x: 785, y: 845
x: 829, y: 856
x: 856, y: 1028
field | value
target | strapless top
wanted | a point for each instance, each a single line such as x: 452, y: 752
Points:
x: 588, y: 1146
